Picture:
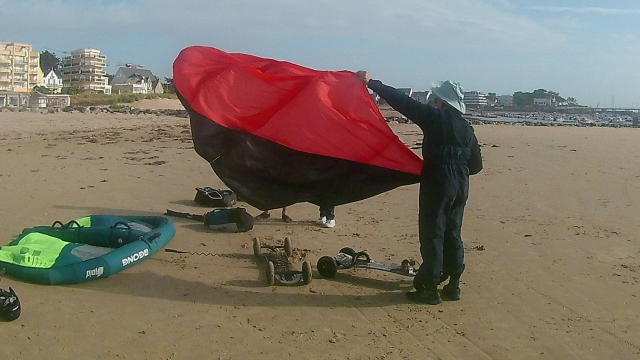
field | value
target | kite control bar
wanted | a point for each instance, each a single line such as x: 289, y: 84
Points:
x: 185, y: 215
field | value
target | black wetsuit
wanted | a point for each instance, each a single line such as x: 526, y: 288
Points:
x: 451, y: 153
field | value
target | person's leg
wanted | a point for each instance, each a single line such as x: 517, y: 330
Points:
x: 331, y: 216
x: 434, y: 205
x: 323, y: 216
x: 453, y: 253
x: 285, y: 217
x: 453, y: 250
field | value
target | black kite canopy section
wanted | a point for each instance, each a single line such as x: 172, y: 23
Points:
x: 278, y: 133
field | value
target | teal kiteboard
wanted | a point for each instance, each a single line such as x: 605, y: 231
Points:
x: 90, y: 248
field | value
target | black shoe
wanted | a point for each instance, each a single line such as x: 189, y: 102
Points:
x: 450, y: 293
x: 431, y: 297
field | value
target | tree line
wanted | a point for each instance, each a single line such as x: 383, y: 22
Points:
x: 526, y: 98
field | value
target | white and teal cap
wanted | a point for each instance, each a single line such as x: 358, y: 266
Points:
x: 450, y: 92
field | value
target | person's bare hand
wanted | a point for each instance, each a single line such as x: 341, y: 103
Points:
x: 364, y: 76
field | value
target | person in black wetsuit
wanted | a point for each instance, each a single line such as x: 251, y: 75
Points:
x: 451, y: 153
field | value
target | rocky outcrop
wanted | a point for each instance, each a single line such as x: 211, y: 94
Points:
x: 117, y: 110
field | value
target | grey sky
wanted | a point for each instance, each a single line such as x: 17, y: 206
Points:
x: 577, y: 48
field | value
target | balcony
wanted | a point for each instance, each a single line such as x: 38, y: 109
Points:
x: 97, y: 72
x: 92, y: 79
x: 85, y: 64
x: 84, y: 56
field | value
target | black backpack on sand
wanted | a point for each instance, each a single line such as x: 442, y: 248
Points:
x: 211, y: 197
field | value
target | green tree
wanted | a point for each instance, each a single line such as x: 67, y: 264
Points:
x: 168, y: 85
x: 49, y: 61
x: 522, y: 99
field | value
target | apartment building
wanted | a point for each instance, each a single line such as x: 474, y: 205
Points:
x: 85, y: 69
x: 475, y: 99
x: 19, y: 67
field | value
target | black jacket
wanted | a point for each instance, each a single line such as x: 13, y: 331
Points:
x: 442, y: 128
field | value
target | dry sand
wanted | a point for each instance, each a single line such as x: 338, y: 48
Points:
x: 551, y: 233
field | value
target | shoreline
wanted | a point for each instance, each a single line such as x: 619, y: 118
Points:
x: 391, y: 116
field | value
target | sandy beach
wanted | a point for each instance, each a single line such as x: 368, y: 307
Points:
x: 551, y: 237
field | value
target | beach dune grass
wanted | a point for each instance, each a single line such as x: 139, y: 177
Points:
x: 113, y: 99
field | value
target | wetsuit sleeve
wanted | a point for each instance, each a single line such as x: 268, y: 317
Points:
x: 423, y: 115
x: 475, y: 161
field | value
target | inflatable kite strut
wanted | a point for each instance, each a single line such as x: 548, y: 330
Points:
x: 277, y: 133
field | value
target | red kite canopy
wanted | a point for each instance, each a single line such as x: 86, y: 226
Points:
x: 327, y: 115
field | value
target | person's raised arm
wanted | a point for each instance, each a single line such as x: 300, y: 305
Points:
x: 419, y: 113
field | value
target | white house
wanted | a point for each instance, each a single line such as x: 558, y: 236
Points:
x: 53, y: 81
x: 135, y: 80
